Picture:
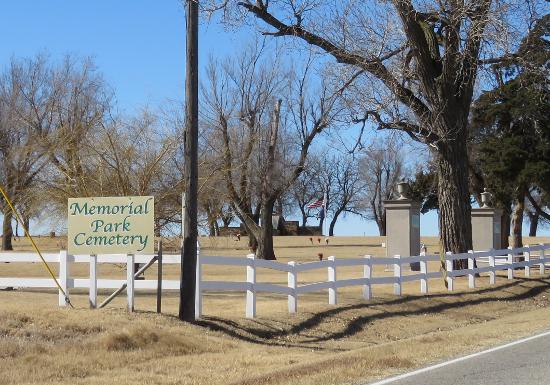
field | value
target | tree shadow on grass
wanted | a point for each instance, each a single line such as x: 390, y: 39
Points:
x: 265, y: 334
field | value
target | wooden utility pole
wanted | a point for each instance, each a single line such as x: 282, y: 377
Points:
x: 189, y: 253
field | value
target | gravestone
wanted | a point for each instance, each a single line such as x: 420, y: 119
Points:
x: 486, y: 225
x: 403, y: 226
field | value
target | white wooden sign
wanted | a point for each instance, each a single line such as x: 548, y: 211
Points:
x: 111, y: 225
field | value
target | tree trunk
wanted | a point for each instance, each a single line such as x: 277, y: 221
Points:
x: 252, y: 237
x: 379, y: 217
x: 211, y: 219
x: 533, y: 224
x: 333, y: 223
x: 382, y: 229
x: 505, y: 235
x: 7, y: 231
x: 156, y: 230
x: 265, y: 233
x: 211, y: 228
x: 455, y: 226
x: 226, y: 221
x: 304, y: 217
x: 279, y: 207
x: 517, y: 220
x: 381, y: 223
x: 27, y: 223
x: 252, y: 241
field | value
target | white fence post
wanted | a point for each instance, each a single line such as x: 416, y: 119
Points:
x: 492, y: 273
x: 198, y: 285
x: 510, y: 262
x: 130, y: 267
x: 542, y: 266
x: 367, y: 274
x: 251, y: 290
x: 527, y: 258
x: 93, y: 281
x: 424, y: 272
x: 332, y: 299
x: 471, y: 274
x: 449, y: 267
x: 397, y: 274
x: 292, y: 284
x: 63, y: 277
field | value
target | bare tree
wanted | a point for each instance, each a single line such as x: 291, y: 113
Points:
x: 416, y: 63
x: 381, y: 167
x: 345, y: 189
x: 238, y: 100
x: 21, y: 158
x: 266, y: 120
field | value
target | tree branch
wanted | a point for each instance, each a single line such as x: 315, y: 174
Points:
x: 498, y: 60
x: 373, y: 66
x: 472, y: 47
x: 537, y: 207
x: 415, y: 131
x: 410, y: 18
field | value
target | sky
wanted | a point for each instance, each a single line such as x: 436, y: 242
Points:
x: 138, y: 45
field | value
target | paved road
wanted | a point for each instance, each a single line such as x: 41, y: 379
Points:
x: 524, y: 363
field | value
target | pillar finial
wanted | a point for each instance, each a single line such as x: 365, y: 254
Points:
x: 403, y: 190
x: 486, y: 198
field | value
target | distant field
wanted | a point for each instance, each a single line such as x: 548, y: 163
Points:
x: 348, y: 343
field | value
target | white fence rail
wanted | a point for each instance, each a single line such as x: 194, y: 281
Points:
x: 478, y: 262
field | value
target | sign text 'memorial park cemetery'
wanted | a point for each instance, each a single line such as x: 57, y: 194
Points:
x: 111, y: 225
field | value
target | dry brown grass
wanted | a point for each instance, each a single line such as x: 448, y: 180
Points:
x: 352, y: 342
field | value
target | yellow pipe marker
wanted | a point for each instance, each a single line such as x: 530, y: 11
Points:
x: 18, y: 218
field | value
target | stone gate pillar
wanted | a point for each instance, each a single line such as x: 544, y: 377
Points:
x: 403, y: 226
x: 486, y: 225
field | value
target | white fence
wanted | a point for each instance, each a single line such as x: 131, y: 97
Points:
x: 496, y: 260
x: 486, y: 262
x: 92, y: 283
